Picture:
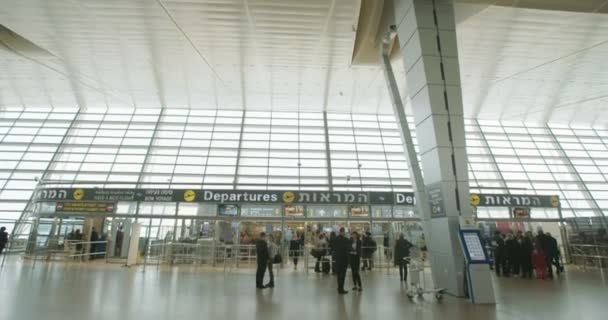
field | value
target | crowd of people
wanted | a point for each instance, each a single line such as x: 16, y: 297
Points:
x: 344, y: 251
x: 325, y: 248
x: 523, y: 254
x: 97, y: 242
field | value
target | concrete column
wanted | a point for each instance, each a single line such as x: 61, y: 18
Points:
x: 427, y: 36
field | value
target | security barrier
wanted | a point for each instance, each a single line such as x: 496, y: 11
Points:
x: 227, y: 257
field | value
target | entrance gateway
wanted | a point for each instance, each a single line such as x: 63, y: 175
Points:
x: 237, y: 216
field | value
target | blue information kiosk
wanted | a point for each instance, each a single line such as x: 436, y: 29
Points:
x: 479, y: 281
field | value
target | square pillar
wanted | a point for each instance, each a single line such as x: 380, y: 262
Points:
x: 427, y: 35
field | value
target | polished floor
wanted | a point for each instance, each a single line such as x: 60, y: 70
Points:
x: 54, y: 291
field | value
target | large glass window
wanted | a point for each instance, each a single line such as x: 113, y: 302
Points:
x: 221, y: 149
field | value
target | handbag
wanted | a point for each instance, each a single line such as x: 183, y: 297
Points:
x: 277, y: 259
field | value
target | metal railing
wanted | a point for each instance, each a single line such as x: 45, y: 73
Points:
x: 68, y: 250
x: 589, y: 255
x: 199, y: 254
x: 233, y: 256
x: 207, y: 253
x: 380, y: 259
x: 82, y: 250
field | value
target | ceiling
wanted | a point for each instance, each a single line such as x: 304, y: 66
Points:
x: 517, y: 63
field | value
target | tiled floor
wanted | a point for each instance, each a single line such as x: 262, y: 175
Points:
x: 60, y: 291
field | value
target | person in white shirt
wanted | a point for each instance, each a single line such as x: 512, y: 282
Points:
x: 320, y: 250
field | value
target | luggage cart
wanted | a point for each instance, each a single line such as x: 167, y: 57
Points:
x: 417, y: 280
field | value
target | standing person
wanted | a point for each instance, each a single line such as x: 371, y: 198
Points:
x: 342, y: 248
x: 369, y: 247
x: 527, y: 246
x: 101, y: 248
x: 78, y: 239
x: 540, y: 261
x: 261, y: 249
x: 3, y: 239
x: 295, y: 250
x: 511, y: 246
x: 498, y: 244
x: 520, y: 252
x: 385, y: 244
x: 320, y: 251
x: 331, y: 244
x: 118, y: 244
x: 402, y: 253
x: 287, y: 237
x: 273, y: 251
x: 553, y: 254
x: 355, y: 260
x: 93, y: 247
x: 545, y: 245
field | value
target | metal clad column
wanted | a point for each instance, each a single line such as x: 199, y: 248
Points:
x: 427, y: 35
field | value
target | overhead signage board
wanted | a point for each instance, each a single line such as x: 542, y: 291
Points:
x: 99, y: 194
x: 513, y: 200
x: 86, y: 207
x: 226, y: 196
x: 280, y: 197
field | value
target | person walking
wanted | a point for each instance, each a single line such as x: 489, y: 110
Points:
x: 3, y: 239
x: 261, y: 249
x: 402, y: 253
x: 320, y: 251
x: 331, y: 244
x: 386, y: 245
x: 527, y: 246
x: 355, y: 260
x: 295, y: 250
x: 342, y: 248
x: 545, y: 245
x: 553, y: 254
x: 273, y: 251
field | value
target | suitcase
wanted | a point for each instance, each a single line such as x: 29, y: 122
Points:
x: 325, y: 266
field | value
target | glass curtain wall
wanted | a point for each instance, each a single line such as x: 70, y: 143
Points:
x: 221, y: 149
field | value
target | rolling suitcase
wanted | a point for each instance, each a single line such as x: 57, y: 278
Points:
x: 325, y: 265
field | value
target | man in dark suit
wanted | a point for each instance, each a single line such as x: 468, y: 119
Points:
x: 553, y: 253
x: 341, y: 249
x: 261, y: 248
x: 402, y: 254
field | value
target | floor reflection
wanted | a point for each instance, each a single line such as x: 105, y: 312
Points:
x: 56, y: 291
